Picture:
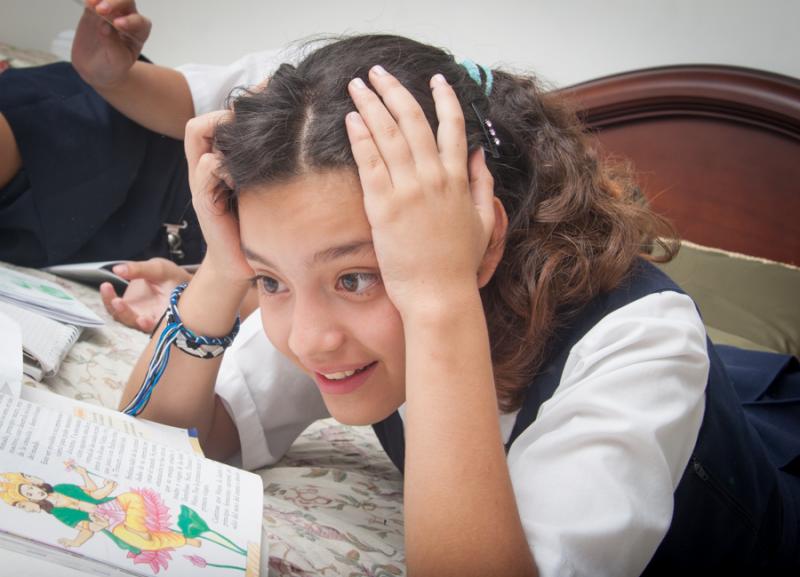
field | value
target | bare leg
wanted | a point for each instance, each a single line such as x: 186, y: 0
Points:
x: 10, y: 160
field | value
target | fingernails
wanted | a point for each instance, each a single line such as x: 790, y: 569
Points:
x: 103, y: 6
x: 120, y: 269
x: 438, y: 79
x: 379, y: 70
x: 357, y: 83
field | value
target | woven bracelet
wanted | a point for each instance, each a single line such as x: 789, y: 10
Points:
x: 184, y: 339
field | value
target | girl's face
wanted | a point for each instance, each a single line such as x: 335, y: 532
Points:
x: 32, y: 492
x: 322, y: 301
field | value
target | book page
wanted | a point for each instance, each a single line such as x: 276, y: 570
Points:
x: 133, y: 504
x: 181, y: 439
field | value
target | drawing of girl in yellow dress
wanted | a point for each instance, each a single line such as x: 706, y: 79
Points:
x: 136, y: 521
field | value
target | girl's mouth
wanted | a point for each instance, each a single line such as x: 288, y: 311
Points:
x: 343, y: 382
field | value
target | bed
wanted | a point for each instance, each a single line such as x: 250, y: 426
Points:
x: 716, y: 149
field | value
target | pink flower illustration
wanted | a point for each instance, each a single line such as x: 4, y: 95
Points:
x: 156, y: 559
x: 157, y: 518
x: 197, y: 560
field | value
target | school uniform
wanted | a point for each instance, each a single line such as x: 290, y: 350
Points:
x: 631, y: 453
x: 94, y: 184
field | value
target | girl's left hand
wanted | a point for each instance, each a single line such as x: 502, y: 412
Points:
x: 431, y: 208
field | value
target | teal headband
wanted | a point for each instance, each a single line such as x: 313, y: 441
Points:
x: 474, y: 71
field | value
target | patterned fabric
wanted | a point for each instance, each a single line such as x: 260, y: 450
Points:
x: 332, y: 506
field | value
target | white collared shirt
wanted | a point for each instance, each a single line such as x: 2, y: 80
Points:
x: 594, y: 475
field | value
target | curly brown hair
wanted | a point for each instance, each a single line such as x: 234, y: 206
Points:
x: 576, y: 224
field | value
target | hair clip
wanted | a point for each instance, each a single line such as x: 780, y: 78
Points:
x: 480, y: 74
x: 489, y: 133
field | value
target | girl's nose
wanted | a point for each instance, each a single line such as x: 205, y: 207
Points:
x: 315, y: 330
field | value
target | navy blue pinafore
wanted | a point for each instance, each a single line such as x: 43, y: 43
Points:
x: 94, y: 184
x: 737, y: 505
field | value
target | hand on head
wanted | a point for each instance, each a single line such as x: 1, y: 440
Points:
x: 147, y: 295
x: 431, y: 208
x: 219, y: 225
x: 108, y: 40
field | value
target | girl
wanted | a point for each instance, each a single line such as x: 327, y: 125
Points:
x: 439, y: 251
x: 85, y: 171
x: 133, y: 520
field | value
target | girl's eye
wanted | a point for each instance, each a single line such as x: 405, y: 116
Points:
x: 270, y: 285
x: 358, y: 282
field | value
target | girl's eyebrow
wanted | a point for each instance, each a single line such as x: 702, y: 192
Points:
x: 343, y: 250
x: 325, y: 255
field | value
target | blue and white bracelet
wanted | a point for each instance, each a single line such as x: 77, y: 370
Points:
x: 175, y: 332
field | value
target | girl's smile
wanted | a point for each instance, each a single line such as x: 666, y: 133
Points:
x: 342, y: 382
x: 322, y: 301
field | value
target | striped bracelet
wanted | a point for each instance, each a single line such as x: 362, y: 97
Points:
x: 184, y: 339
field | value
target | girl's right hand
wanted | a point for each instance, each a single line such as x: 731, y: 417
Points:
x: 147, y: 295
x: 108, y: 40
x: 220, y: 226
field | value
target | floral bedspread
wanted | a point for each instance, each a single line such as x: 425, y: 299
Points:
x: 332, y: 506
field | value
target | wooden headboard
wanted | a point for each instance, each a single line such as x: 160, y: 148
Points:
x: 716, y: 150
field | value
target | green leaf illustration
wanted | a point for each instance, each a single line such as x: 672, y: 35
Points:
x: 191, y: 524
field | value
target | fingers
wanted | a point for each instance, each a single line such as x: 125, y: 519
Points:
x: 451, y: 135
x: 389, y: 140
x: 407, y: 113
x: 135, y: 25
x: 121, y: 312
x: 112, y: 8
x: 481, y: 183
x: 481, y: 186
x: 154, y: 270
x: 203, y: 162
x: 372, y: 171
x: 122, y: 16
x: 401, y: 133
x: 200, y: 135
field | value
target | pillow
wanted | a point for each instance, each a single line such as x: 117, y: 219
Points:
x: 745, y: 301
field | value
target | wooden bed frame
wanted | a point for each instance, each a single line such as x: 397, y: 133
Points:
x: 716, y: 149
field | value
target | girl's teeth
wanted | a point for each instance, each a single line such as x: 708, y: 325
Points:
x: 338, y: 376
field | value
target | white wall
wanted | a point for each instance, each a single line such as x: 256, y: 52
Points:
x: 565, y: 41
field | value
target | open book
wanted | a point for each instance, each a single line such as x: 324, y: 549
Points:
x: 99, y: 492
x: 44, y: 297
x: 45, y: 342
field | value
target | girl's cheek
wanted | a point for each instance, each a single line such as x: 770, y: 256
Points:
x: 276, y: 329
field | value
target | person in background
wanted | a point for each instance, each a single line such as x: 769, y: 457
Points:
x: 92, y: 166
x: 440, y: 254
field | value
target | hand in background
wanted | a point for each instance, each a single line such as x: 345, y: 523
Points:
x: 145, y: 300
x: 104, y: 52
